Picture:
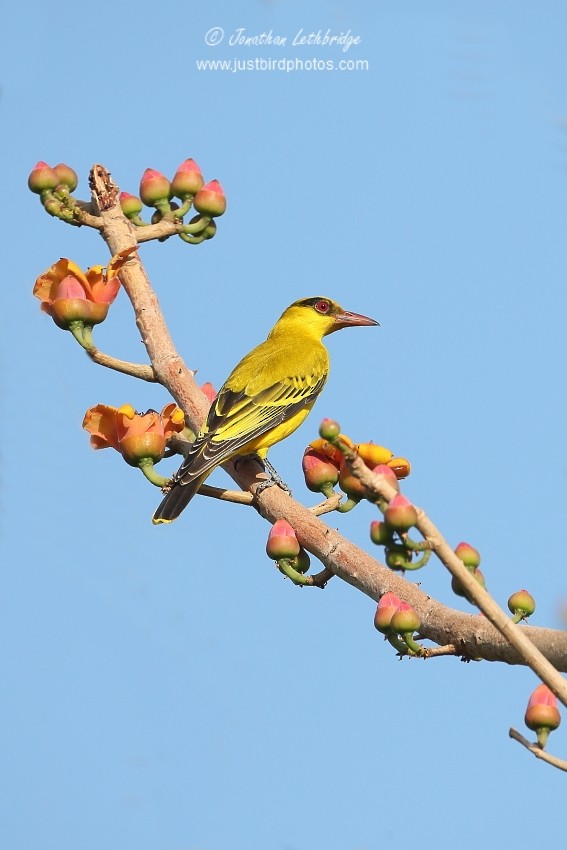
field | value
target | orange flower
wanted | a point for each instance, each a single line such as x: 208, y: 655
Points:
x: 69, y: 295
x: 136, y: 436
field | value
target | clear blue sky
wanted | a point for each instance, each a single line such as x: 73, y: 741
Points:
x: 165, y: 688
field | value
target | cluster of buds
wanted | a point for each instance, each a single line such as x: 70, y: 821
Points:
x: 401, y: 553
x: 55, y: 187
x: 188, y: 186
x: 397, y: 619
x: 471, y: 559
x: 141, y: 438
x: 284, y: 548
x: 325, y: 463
x: 542, y: 714
x: 77, y: 300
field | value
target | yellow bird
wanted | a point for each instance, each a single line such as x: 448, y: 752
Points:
x: 264, y: 399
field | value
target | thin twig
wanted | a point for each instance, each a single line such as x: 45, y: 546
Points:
x: 239, y: 497
x: 437, y: 651
x: 85, y: 214
x: 536, y: 750
x: 136, y: 370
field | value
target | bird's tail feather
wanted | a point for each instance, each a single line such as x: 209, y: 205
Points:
x: 176, y: 499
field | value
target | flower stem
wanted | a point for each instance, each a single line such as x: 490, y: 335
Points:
x: 347, y: 506
x: 285, y: 566
x: 77, y: 329
x: 407, y: 638
x: 146, y: 465
x: 193, y: 240
x: 421, y: 562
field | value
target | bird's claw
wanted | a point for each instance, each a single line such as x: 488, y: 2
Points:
x: 270, y: 482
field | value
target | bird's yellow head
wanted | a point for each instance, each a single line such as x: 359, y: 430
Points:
x: 320, y: 316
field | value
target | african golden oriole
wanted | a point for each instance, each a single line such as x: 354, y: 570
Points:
x: 264, y: 399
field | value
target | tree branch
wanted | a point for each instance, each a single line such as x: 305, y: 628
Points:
x: 135, y: 370
x: 536, y: 750
x: 513, y: 633
x: 472, y: 636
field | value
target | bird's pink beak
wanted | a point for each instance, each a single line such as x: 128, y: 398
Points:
x: 347, y: 320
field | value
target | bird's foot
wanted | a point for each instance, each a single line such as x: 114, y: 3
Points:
x: 274, y: 476
x: 271, y: 482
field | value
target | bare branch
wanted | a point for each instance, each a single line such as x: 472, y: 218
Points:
x: 536, y: 750
x: 135, y: 370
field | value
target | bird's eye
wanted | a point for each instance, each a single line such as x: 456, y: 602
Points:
x: 322, y: 306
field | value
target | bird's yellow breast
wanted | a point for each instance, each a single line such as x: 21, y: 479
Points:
x: 261, y: 445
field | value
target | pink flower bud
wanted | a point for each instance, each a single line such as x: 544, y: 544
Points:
x: 187, y: 180
x: 154, y: 187
x: 542, y: 710
x: 404, y: 619
x: 131, y: 205
x: 282, y: 542
x: 319, y: 472
x: 468, y: 555
x: 387, y: 605
x: 329, y: 429
x: 388, y: 473
x: 380, y: 533
x: 400, y: 513
x: 209, y: 391
x: 67, y: 176
x: 522, y: 603
x: 69, y: 287
x: 210, y: 200
x: 42, y: 177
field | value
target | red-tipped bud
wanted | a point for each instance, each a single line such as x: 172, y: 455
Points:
x: 67, y: 176
x: 187, y: 180
x: 154, y: 187
x: 329, y: 429
x: 282, y: 542
x: 372, y: 454
x: 468, y: 555
x: 387, y: 605
x: 400, y: 513
x: 131, y: 205
x: 400, y: 466
x: 388, y: 474
x: 319, y: 472
x: 398, y: 557
x: 522, y: 602
x: 209, y: 391
x: 542, y: 711
x: 42, y: 177
x: 404, y: 619
x: 380, y: 533
x: 210, y: 200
